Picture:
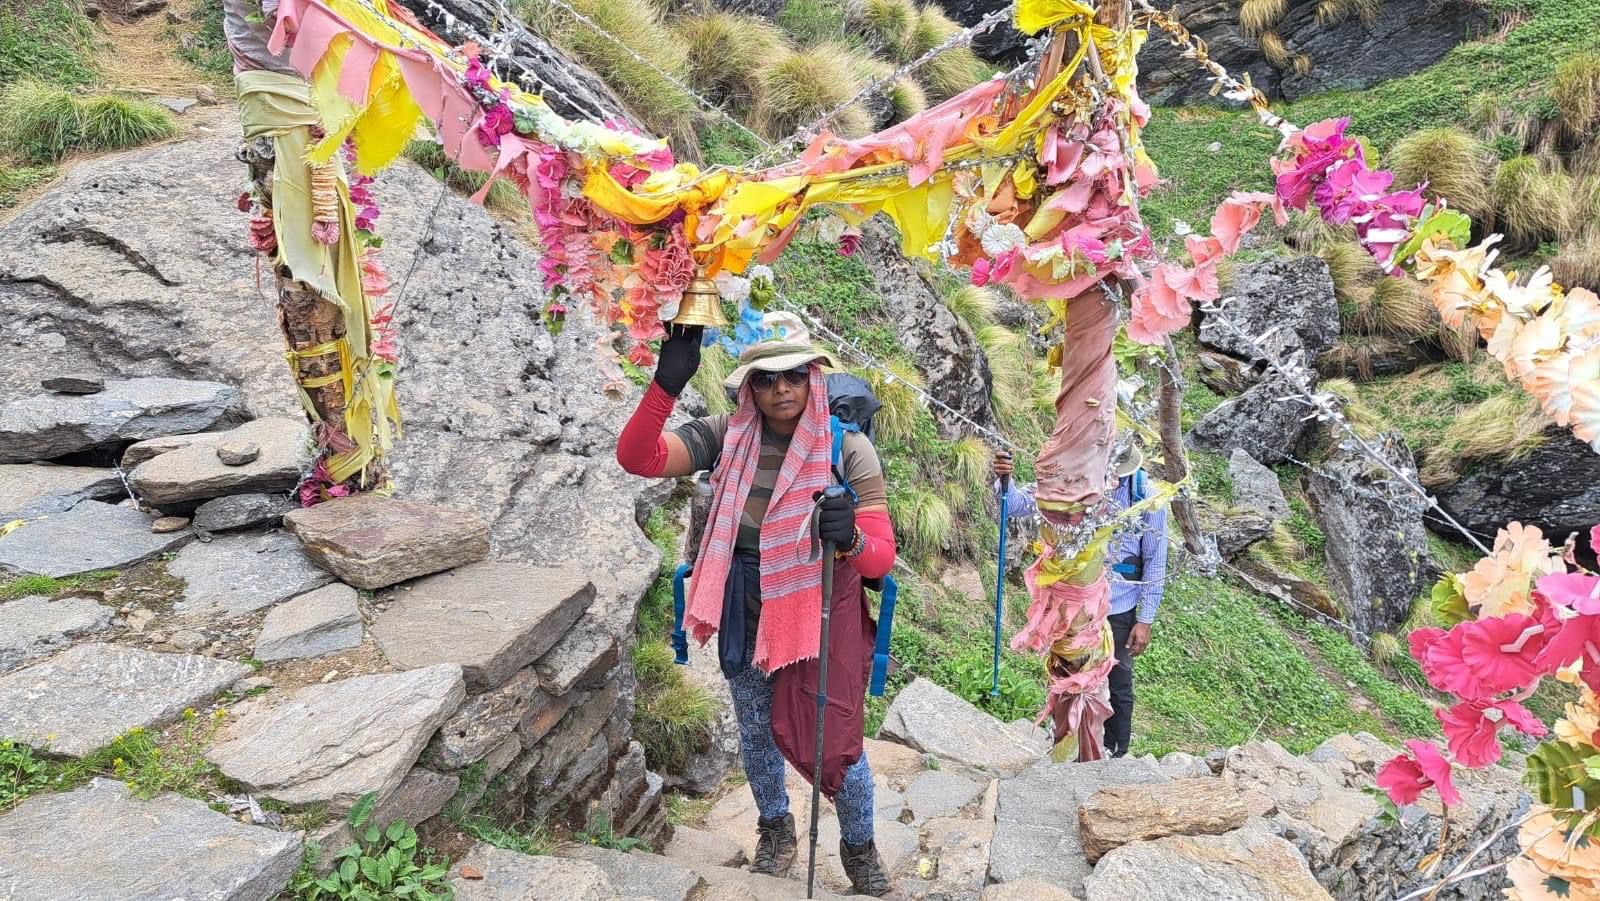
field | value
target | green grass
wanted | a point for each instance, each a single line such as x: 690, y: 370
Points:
x: 655, y: 611
x: 207, y: 48
x: 46, y: 39
x: 23, y: 586
x: 503, y: 196
x: 15, y: 180
x: 672, y: 718
x: 41, y: 122
x: 809, y: 22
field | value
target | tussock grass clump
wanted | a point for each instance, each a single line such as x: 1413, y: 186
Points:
x: 503, y: 196
x: 906, y: 99
x: 972, y: 463
x: 1506, y: 427
x: 1578, y: 262
x: 803, y: 85
x: 638, y: 24
x: 1533, y: 204
x: 973, y: 305
x: 1367, y: 421
x: 1451, y: 161
x: 1330, y: 11
x: 672, y: 718
x: 1398, y: 308
x: 715, y: 365
x: 723, y: 52
x: 952, y: 71
x: 1352, y: 271
x: 896, y: 419
x: 809, y: 22
x: 1011, y: 381
x: 887, y: 26
x: 1575, y: 90
x: 923, y: 519
x: 42, y: 123
x: 1257, y: 17
x: 1275, y: 50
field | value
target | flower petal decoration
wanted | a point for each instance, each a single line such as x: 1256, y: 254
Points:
x: 1482, y: 658
x: 1406, y: 776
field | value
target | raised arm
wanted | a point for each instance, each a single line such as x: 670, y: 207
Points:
x: 645, y: 448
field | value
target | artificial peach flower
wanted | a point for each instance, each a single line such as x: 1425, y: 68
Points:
x: 1502, y: 582
x: 1536, y: 341
x: 1582, y: 720
x: 1546, y: 844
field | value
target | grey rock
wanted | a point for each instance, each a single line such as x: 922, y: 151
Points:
x: 1377, y: 550
x: 1121, y: 814
x: 1265, y: 421
x: 74, y: 384
x: 1247, y: 865
x: 91, y: 536
x: 237, y: 451
x: 253, y: 683
x: 34, y: 626
x: 1285, y: 305
x: 484, y: 721
x: 930, y: 719
x: 940, y: 794
x: 29, y: 490
x: 958, y: 848
x: 53, y: 425
x: 696, y: 847
x: 155, y: 447
x: 81, y: 699
x: 188, y: 640
x: 488, y: 873
x: 491, y: 618
x: 1227, y: 375
x: 179, y: 105
x: 237, y: 574
x: 99, y: 842
x: 1234, y: 529
x: 315, y: 623
x: 371, y: 541
x: 1036, y: 828
x: 638, y: 874
x: 1556, y: 487
x: 1255, y: 487
x: 335, y: 742
x: 196, y: 473
x: 241, y: 511
x: 1181, y: 765
x: 759, y: 887
x: 1026, y: 890
x: 169, y: 524
x: 581, y: 658
x: 420, y: 796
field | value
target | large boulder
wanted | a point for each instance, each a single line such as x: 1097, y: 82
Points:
x: 1280, y: 305
x: 1244, y: 865
x: 46, y: 426
x: 1556, y: 487
x: 1267, y: 422
x: 1255, y: 487
x: 91, y: 536
x: 1377, y: 549
x: 927, y: 717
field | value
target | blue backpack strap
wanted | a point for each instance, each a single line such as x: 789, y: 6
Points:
x: 1137, y: 492
x: 880, y: 651
x: 837, y: 427
x: 680, y: 638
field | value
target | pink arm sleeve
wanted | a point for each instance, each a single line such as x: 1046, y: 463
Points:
x: 642, y: 448
x: 877, y: 557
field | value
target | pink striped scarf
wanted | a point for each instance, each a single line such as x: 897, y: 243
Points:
x: 790, y: 587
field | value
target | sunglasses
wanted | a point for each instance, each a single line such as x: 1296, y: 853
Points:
x: 794, y: 378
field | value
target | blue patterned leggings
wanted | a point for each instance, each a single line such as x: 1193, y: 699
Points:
x: 764, y: 765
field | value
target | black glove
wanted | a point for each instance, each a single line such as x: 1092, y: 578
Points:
x: 680, y: 357
x: 836, y: 521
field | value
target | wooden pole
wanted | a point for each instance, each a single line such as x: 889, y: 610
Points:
x: 1176, y: 459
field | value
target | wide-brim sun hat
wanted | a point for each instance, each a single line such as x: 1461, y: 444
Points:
x: 787, y: 345
x: 1129, y: 461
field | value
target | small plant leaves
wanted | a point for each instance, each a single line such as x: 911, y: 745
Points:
x: 348, y: 871
x: 373, y: 834
x: 362, y: 810
x: 395, y: 830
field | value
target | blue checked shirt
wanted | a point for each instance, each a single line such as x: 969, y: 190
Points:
x: 1148, y: 543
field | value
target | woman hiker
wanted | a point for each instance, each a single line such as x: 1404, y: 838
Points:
x: 753, y: 586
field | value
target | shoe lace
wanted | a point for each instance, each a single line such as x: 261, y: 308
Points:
x: 867, y: 871
x: 767, y: 845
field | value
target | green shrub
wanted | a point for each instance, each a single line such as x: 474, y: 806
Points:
x: 799, y: 87
x: 112, y: 122
x: 49, y: 39
x: 1533, y: 204
x: 1451, y: 161
x: 672, y: 718
x: 724, y: 51
x: 381, y: 864
x: 21, y: 774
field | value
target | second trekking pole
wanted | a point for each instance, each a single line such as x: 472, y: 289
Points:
x: 999, y: 587
x: 822, y: 700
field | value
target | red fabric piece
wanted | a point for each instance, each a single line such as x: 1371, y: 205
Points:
x: 877, y: 557
x: 851, y: 635
x: 642, y: 448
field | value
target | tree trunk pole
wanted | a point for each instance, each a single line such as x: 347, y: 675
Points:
x: 1176, y: 459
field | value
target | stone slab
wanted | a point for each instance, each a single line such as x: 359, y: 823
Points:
x: 583, y: 656
x: 99, y: 842
x: 86, y: 696
x: 491, y: 618
x: 484, y: 721
x: 74, y: 383
x: 237, y: 574
x: 1119, y: 814
x: 337, y: 741
x: 150, y: 449
x: 28, y: 490
x: 1245, y: 865
x: 34, y: 626
x: 91, y: 536
x: 638, y: 873
x: 315, y: 623
x: 372, y: 542
x: 1026, y: 890
x: 940, y: 794
x: 487, y: 873
x: 47, y: 426
x: 1255, y: 487
x: 762, y: 888
x: 696, y: 846
x: 421, y: 795
x: 194, y: 473
x: 930, y: 719
x: 241, y: 511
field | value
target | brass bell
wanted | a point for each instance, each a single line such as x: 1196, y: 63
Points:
x: 701, y: 304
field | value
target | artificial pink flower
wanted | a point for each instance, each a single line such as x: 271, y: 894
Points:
x: 980, y: 271
x: 1199, y: 283
x: 477, y: 75
x: 849, y: 243
x: 1471, y: 727
x: 1203, y: 250
x: 1157, y: 312
x: 1405, y: 777
x: 1478, y: 659
x: 1233, y: 219
x: 640, y: 355
x: 1315, y: 150
x: 244, y: 202
x: 497, y: 122
x: 1579, y: 591
x: 325, y: 232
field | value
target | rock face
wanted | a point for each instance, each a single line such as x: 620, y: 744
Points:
x: 1246, y: 864
x: 333, y: 743
x: 83, y: 698
x: 28, y: 490
x: 46, y: 426
x: 198, y: 472
x: 315, y: 623
x: 491, y: 618
x: 1119, y: 814
x: 34, y: 626
x: 1260, y: 422
x: 100, y: 842
x: 1284, y: 305
x: 1376, y: 547
x: 941, y: 344
x: 238, y: 574
x: 1555, y: 487
x: 91, y: 536
x: 1255, y: 487
x: 372, y: 542
x: 929, y: 718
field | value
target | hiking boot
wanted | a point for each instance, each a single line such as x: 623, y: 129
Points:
x: 865, y: 869
x: 775, y: 845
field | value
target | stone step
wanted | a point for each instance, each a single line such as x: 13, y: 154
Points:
x: 638, y: 874
x: 54, y: 425
x: 372, y: 542
x: 85, y: 697
x: 315, y: 623
x: 233, y: 575
x: 100, y: 842
x: 28, y: 490
x: 1246, y: 864
x: 91, y: 536
x: 928, y: 718
x: 198, y: 472
x: 34, y: 626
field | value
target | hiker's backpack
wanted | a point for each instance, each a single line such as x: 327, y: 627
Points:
x: 851, y: 406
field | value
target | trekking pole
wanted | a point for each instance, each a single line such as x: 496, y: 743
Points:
x: 822, y: 699
x: 999, y: 588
